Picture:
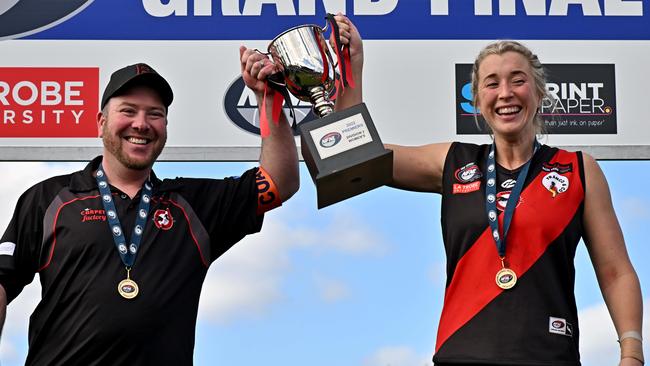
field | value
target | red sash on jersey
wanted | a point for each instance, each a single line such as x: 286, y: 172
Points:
x: 538, y: 220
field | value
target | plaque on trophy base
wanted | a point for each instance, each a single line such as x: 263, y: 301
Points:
x: 344, y: 155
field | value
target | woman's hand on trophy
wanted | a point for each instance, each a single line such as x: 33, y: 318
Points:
x: 255, y: 69
x: 349, y: 36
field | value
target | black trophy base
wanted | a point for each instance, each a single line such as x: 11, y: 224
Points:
x: 345, y: 155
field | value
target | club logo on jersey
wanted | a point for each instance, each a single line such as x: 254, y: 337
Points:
x: 502, y: 200
x: 557, y: 167
x: 88, y: 215
x: 163, y: 219
x: 555, y: 183
x: 560, y: 326
x: 468, y: 173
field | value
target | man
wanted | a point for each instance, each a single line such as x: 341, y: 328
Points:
x: 122, y: 255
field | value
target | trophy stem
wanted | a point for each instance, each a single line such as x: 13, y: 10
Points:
x: 322, y: 106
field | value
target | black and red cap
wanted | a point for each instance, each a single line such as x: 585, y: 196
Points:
x: 136, y: 75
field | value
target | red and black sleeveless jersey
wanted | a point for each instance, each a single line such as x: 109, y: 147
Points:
x: 535, y: 322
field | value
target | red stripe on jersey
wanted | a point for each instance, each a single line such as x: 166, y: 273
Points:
x: 189, y: 227
x: 537, y: 222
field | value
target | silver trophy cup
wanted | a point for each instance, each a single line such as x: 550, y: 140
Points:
x: 342, y: 149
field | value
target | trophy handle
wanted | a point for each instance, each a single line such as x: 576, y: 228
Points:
x: 324, y: 29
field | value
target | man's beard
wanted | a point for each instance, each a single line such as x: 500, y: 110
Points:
x: 113, y: 144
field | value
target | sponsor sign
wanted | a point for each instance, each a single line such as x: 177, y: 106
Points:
x: 581, y: 100
x: 48, y: 102
x: 20, y: 18
x: 240, y: 106
x: 256, y: 19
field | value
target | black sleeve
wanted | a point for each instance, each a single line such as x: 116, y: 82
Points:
x: 226, y: 207
x: 20, y: 245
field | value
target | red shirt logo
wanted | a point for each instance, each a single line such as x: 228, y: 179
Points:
x: 163, y: 219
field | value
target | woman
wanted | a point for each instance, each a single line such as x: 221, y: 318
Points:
x: 513, y: 212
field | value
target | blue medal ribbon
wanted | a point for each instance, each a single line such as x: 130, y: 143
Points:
x: 126, y: 253
x: 491, y: 196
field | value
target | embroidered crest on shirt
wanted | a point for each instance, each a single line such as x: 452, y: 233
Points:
x: 468, y: 173
x: 468, y: 176
x: 555, y: 183
x: 163, y: 219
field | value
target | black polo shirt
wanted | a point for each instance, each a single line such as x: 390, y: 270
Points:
x: 59, y: 229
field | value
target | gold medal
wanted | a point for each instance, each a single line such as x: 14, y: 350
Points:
x: 506, y: 278
x: 128, y: 288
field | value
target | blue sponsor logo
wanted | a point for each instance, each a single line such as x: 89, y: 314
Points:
x: 19, y: 18
x: 241, y: 108
x: 467, y: 106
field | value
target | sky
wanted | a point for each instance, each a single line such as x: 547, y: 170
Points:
x: 359, y: 283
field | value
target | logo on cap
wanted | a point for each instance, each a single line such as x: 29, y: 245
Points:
x: 143, y: 69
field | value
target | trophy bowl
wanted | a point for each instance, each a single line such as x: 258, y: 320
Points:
x: 306, y: 63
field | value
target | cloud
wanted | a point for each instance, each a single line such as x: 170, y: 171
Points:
x: 18, y: 177
x: 397, y: 356
x: 14, y: 335
x: 437, y: 273
x: 633, y: 209
x: 598, y: 344
x: 331, y: 290
x: 347, y: 232
x: 247, y: 280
